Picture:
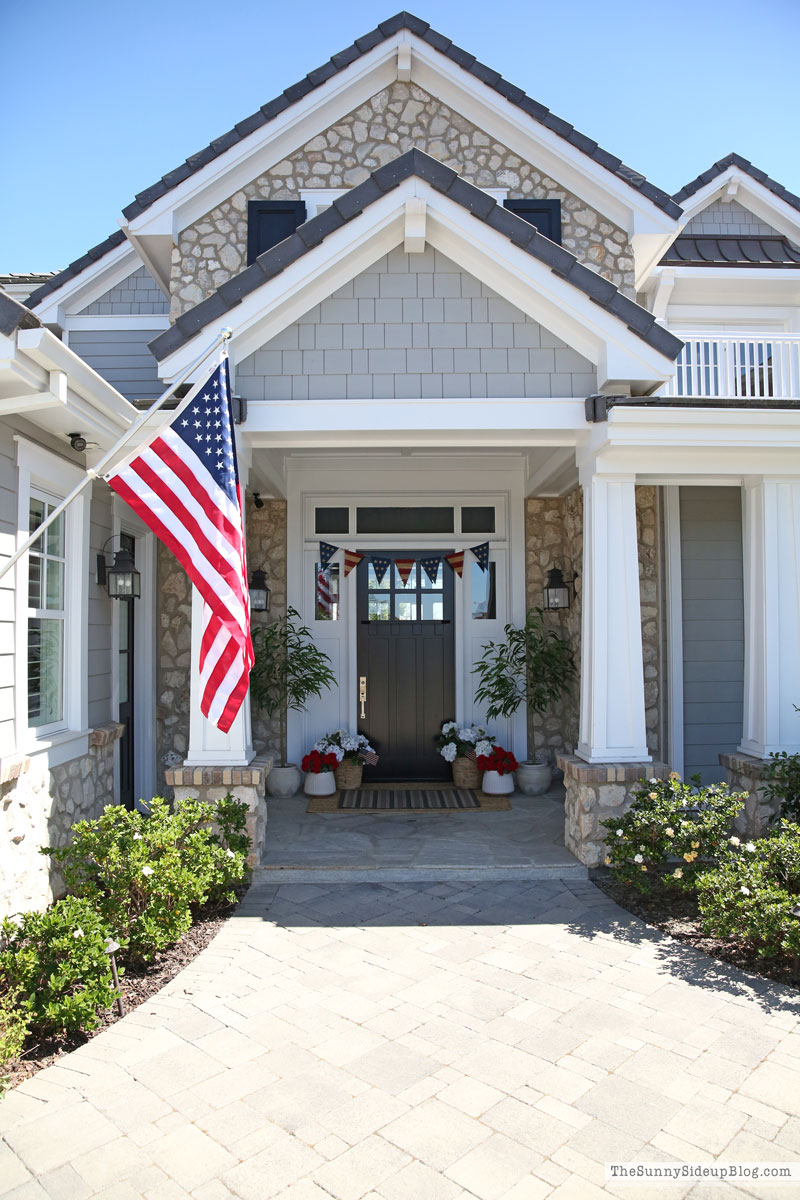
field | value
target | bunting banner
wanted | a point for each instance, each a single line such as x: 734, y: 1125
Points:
x: 326, y: 553
x: 380, y: 566
x: 351, y: 559
x: 456, y: 562
x: 482, y: 554
x: 431, y: 568
x: 404, y: 568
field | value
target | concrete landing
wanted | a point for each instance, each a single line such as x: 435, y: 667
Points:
x: 523, y: 843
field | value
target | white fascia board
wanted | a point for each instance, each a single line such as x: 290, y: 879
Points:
x: 115, y: 321
x: 476, y: 247
x: 262, y: 149
x: 528, y: 419
x: 674, y: 444
x: 727, y: 286
x: 752, y: 195
x: 48, y: 351
x: 92, y: 283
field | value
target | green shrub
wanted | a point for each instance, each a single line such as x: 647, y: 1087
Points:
x: 144, y: 873
x: 782, y: 783
x: 750, y: 896
x: 13, y: 1029
x: 56, y: 963
x: 671, y: 832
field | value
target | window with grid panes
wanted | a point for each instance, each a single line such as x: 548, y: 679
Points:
x: 418, y: 599
x: 46, y: 616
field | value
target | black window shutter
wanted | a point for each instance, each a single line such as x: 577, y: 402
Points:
x: 544, y: 214
x: 269, y: 222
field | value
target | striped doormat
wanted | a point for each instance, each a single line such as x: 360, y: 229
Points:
x: 417, y: 797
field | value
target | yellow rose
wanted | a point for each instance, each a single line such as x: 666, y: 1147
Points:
x: 695, y: 845
x: 674, y: 775
x: 654, y: 795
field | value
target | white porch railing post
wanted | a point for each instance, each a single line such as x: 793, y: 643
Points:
x: 612, y: 718
x: 772, y: 616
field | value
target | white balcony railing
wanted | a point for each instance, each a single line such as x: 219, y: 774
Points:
x: 737, y: 366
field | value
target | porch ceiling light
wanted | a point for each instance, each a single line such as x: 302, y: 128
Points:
x: 260, y: 592
x: 557, y: 590
x: 121, y: 579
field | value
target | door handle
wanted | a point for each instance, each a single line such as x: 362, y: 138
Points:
x: 362, y: 695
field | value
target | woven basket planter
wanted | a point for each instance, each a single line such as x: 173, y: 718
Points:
x: 348, y: 774
x: 466, y: 773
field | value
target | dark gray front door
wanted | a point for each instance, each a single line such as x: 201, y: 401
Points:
x: 406, y: 656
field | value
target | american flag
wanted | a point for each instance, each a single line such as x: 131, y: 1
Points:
x: 184, y: 484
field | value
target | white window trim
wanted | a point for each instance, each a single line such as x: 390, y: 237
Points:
x: 39, y: 469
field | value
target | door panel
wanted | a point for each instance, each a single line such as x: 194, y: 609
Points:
x: 127, y: 670
x: 409, y: 664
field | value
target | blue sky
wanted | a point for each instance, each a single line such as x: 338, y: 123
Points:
x: 108, y: 97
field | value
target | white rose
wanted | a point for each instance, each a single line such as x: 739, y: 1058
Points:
x: 734, y: 841
x: 637, y: 858
x: 147, y: 870
x: 78, y: 933
x: 750, y: 846
x: 619, y: 833
x: 745, y: 891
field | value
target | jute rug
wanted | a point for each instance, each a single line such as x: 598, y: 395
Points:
x: 407, y: 797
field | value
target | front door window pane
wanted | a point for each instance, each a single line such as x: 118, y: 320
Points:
x: 378, y: 608
x: 405, y: 608
x: 425, y: 582
x: 432, y: 607
x: 373, y: 584
x: 411, y: 583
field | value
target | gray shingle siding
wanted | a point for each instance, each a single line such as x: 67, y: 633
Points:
x: 413, y: 326
x: 122, y: 357
x: 139, y: 293
x: 728, y: 220
x: 713, y: 626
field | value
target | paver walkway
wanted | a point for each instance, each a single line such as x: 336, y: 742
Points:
x: 412, y: 1042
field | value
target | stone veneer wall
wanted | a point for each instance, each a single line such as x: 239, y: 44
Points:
x: 266, y: 549
x: 747, y: 774
x: 397, y: 119
x: 38, y: 807
x: 554, y: 537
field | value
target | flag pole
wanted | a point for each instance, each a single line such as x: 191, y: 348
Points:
x: 93, y: 473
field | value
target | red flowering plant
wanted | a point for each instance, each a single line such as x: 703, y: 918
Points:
x: 500, y: 760
x: 316, y: 762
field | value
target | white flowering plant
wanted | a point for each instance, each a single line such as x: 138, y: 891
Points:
x: 346, y: 746
x: 672, y: 832
x: 456, y: 741
x: 750, y: 897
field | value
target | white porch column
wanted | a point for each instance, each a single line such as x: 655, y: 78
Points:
x: 771, y: 616
x: 612, y: 725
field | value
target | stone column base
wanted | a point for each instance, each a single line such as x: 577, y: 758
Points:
x: 244, y: 783
x: 596, y: 792
x: 746, y: 774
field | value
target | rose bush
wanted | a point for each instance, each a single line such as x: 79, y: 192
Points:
x: 672, y: 831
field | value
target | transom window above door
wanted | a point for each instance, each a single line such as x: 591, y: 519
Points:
x: 332, y: 520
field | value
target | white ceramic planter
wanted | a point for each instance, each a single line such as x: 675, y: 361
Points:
x: 534, y: 778
x: 320, y: 784
x: 495, y: 784
x: 284, y: 781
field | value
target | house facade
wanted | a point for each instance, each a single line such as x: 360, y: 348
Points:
x: 455, y: 321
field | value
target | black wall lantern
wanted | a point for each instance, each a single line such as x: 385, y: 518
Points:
x: 260, y: 592
x: 557, y: 590
x: 121, y: 578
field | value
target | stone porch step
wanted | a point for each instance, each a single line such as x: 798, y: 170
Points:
x: 277, y: 875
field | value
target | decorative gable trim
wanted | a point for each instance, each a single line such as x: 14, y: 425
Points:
x: 525, y: 262
x: 736, y: 177
x: 401, y: 67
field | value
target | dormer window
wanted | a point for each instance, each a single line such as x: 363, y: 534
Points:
x: 269, y: 222
x: 544, y: 214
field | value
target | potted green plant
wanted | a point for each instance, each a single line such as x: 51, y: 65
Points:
x: 289, y: 669
x: 534, y: 665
